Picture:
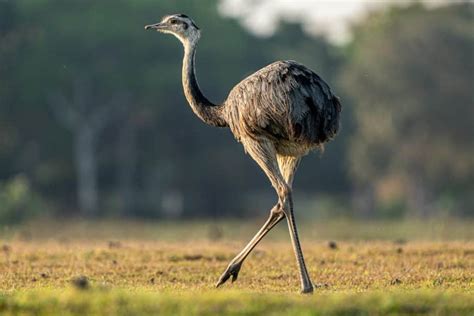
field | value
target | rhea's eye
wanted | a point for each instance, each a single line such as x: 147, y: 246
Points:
x: 173, y: 21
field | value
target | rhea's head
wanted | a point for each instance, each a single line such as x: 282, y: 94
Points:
x: 179, y: 25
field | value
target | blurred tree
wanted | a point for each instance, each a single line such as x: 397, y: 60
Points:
x: 410, y: 71
x: 414, y: 115
x: 86, y: 117
x: 11, y: 40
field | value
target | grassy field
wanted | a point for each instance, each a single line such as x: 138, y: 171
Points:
x: 117, y: 268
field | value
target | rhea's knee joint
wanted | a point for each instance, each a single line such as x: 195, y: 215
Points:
x: 284, y: 191
x: 277, y: 209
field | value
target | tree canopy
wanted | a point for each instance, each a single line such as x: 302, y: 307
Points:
x: 410, y: 74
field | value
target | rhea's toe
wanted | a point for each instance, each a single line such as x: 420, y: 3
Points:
x: 232, y: 270
x: 224, y: 277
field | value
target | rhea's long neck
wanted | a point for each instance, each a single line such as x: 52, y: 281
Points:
x: 207, y: 111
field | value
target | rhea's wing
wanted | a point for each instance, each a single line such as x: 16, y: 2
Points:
x: 284, y: 100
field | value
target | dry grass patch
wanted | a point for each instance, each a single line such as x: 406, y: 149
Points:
x: 116, y: 268
x: 355, y: 266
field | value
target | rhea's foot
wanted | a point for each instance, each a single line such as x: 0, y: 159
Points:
x: 307, y: 289
x: 232, y: 270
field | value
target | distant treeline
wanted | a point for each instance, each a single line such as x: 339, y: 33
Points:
x: 93, y: 121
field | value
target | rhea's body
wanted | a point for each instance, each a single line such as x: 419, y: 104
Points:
x: 287, y: 103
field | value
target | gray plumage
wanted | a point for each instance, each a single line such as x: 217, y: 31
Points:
x: 285, y: 102
x: 279, y: 114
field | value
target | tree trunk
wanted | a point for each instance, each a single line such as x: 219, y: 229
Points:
x: 127, y: 158
x: 86, y: 168
x: 363, y: 201
x: 420, y: 200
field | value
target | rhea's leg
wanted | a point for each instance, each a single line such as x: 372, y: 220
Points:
x: 288, y: 165
x: 280, y: 171
x: 306, y: 285
x: 264, y: 154
x: 276, y: 215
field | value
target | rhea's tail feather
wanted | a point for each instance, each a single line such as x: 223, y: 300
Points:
x: 330, y: 119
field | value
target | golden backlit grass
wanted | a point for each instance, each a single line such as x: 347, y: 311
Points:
x: 147, y: 275
x: 355, y: 266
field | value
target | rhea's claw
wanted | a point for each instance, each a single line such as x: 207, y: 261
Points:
x: 222, y: 280
x: 232, y: 270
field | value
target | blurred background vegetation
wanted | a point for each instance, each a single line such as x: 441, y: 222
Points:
x: 93, y: 121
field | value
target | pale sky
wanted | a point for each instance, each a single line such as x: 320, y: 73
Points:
x: 331, y: 18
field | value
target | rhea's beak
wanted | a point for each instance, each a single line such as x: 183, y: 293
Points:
x: 157, y: 26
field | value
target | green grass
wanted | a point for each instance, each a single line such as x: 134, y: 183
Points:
x: 171, y: 268
x: 121, y: 302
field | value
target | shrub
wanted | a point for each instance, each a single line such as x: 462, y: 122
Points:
x: 17, y: 200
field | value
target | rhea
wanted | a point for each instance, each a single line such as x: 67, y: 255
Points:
x: 279, y: 114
